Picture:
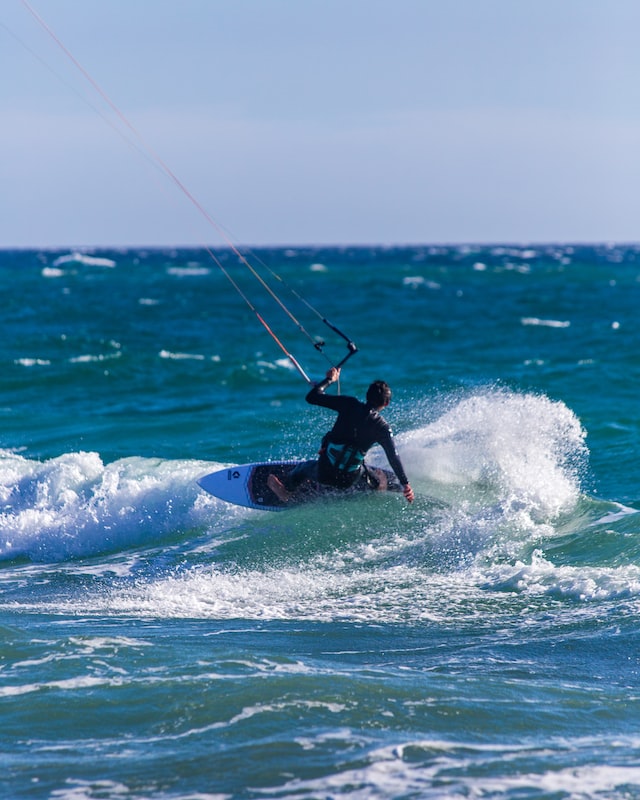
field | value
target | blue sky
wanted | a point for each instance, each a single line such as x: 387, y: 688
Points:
x: 321, y: 121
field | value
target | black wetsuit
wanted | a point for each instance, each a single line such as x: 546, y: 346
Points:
x: 357, y: 428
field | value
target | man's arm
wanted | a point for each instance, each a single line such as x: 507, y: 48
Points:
x: 389, y: 447
x: 317, y: 397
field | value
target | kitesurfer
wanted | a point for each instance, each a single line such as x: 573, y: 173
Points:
x: 341, y: 458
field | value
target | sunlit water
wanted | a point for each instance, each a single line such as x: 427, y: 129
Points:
x: 158, y: 642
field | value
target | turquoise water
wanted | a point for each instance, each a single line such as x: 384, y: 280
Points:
x: 159, y: 643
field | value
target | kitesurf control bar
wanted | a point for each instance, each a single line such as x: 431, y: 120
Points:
x: 352, y: 350
x: 350, y: 345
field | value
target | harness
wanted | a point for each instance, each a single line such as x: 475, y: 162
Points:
x: 344, y: 457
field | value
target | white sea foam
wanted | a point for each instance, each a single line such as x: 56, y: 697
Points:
x: 541, y: 577
x: 33, y: 362
x: 415, y: 281
x: 492, y: 474
x: 181, y: 356
x: 545, y: 323
x: 523, y: 451
x: 71, y: 684
x: 460, y: 769
x: 499, y: 465
x: 75, y: 505
x: 85, y: 260
x: 90, y: 358
x: 321, y: 591
x: 285, y: 363
x: 188, y: 272
x: 52, y: 272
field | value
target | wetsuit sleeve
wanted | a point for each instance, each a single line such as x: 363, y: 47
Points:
x: 317, y: 397
x: 389, y: 447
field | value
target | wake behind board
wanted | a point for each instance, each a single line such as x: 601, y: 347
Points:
x: 246, y: 485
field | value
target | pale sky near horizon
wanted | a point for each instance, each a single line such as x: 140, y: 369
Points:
x: 321, y: 121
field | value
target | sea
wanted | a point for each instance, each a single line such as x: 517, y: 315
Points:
x: 482, y: 642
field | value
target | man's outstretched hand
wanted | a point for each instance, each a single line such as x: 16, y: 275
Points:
x: 408, y: 493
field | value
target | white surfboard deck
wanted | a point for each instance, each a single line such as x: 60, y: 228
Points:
x: 246, y: 485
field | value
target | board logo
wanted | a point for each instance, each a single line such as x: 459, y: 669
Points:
x: 233, y: 474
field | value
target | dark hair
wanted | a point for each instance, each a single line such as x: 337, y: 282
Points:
x: 378, y: 394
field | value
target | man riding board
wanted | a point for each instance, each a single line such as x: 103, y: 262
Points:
x: 341, y: 459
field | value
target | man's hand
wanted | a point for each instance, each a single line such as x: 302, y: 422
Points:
x: 408, y: 493
x: 333, y: 374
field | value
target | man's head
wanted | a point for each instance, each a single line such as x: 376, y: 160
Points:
x: 378, y: 394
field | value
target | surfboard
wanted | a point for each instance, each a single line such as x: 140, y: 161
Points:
x: 246, y: 485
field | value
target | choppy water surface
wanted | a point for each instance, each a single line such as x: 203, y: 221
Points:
x: 158, y: 642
